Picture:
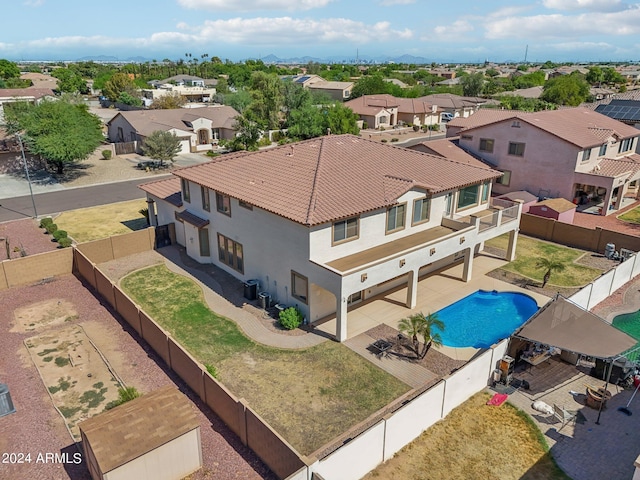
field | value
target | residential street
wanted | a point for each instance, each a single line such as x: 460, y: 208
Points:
x: 72, y: 198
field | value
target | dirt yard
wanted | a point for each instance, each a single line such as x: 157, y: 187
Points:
x: 23, y: 237
x: 54, y: 319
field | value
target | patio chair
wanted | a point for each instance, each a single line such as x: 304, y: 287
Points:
x: 565, y: 416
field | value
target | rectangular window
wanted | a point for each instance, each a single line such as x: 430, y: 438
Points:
x: 246, y: 205
x: 344, y: 230
x: 625, y: 145
x: 421, y: 210
x: 203, y: 238
x: 230, y: 253
x: 186, y: 195
x: 486, y: 145
x: 206, y: 204
x: 395, y: 218
x: 485, y: 192
x: 516, y: 149
x: 299, y: 286
x: 383, y: 119
x: 505, y: 179
x: 223, y: 204
x: 603, y: 150
x: 467, y: 137
x: 586, y: 154
x: 468, y: 196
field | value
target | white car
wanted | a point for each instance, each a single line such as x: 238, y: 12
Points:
x: 447, y: 117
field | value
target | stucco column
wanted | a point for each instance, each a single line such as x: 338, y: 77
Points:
x: 467, y: 269
x: 151, y: 205
x: 341, y: 318
x: 511, y: 248
x: 607, y: 200
x: 412, y: 289
x: 622, y: 190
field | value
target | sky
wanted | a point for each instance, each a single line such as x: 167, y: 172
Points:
x: 469, y: 31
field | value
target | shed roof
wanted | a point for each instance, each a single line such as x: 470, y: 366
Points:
x: 137, y: 427
x: 559, y: 205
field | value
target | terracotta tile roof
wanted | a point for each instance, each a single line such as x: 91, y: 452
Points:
x: 448, y: 148
x: 579, y: 126
x: 139, y: 426
x: 330, y: 85
x: 332, y: 177
x: 193, y: 219
x: 147, y: 121
x: 559, y: 205
x: 31, y: 92
x: 449, y: 100
x: 371, y: 104
x: 167, y: 189
x: 523, y: 195
x: 615, y: 167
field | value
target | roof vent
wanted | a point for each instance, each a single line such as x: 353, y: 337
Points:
x: 6, y: 405
x: 290, y: 154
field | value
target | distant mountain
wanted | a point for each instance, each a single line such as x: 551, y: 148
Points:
x: 98, y: 58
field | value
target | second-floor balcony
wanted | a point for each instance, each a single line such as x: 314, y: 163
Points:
x: 453, y: 235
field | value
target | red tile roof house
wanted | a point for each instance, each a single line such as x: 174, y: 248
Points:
x: 387, y: 111
x: 573, y: 153
x: 328, y: 222
x: 198, y: 128
x: 31, y: 95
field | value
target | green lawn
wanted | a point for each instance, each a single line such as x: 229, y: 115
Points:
x: 309, y: 396
x: 632, y: 216
x: 529, y: 250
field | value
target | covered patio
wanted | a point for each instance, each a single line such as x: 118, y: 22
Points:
x: 435, y: 291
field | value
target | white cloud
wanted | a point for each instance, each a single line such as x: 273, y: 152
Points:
x: 34, y: 3
x: 251, y: 5
x: 237, y: 31
x: 389, y: 3
x: 456, y: 28
x: 283, y: 30
x: 563, y: 26
x: 590, y: 5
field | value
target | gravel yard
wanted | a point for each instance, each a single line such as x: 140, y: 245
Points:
x: 36, y: 427
x: 24, y: 236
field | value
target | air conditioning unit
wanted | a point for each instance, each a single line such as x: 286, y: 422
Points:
x: 625, y: 254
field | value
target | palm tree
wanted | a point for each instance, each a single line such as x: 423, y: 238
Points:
x: 550, y: 266
x: 431, y: 322
x: 421, y: 325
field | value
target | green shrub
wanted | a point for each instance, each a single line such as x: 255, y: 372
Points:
x: 145, y: 213
x: 46, y: 221
x: 106, y: 154
x: 394, y: 139
x: 291, y: 318
x: 213, y: 371
x: 65, y: 242
x: 384, y: 140
x: 59, y: 234
x: 365, y: 125
x: 52, y: 227
x: 211, y: 153
x: 264, y: 142
x: 124, y: 395
x: 416, y: 128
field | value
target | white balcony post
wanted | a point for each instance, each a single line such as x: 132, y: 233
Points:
x: 151, y: 205
x: 511, y: 249
x: 412, y: 289
x: 341, y: 318
x: 467, y: 269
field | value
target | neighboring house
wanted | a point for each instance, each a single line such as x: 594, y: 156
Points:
x: 573, y: 153
x: 326, y: 223
x: 388, y: 111
x: 556, y: 208
x: 40, y: 80
x: 198, y: 128
x: 185, y: 81
x: 533, y: 92
x: 523, y: 196
x: 448, y: 148
x: 625, y: 111
x: 455, y: 104
x: 600, y: 93
x: 31, y: 95
x: 335, y: 90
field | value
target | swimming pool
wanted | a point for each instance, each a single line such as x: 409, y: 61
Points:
x: 481, y: 319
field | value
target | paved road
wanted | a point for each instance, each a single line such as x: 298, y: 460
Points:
x: 72, y: 198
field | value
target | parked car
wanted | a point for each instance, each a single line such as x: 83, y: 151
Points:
x: 447, y: 117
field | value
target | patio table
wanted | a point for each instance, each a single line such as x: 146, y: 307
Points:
x: 381, y: 346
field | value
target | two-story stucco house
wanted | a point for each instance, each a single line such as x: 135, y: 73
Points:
x: 198, y: 128
x: 387, y: 111
x: 326, y: 223
x: 573, y: 153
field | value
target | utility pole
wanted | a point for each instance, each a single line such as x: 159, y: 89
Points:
x: 26, y: 170
x: 526, y: 51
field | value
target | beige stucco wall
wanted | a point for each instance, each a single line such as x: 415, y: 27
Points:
x: 171, y: 461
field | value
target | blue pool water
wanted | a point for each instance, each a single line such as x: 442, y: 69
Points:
x: 482, y: 318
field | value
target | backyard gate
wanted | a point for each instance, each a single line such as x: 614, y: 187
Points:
x: 122, y: 148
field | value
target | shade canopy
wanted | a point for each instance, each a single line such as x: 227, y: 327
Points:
x: 565, y: 325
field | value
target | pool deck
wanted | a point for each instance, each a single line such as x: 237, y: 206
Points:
x: 435, y: 292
